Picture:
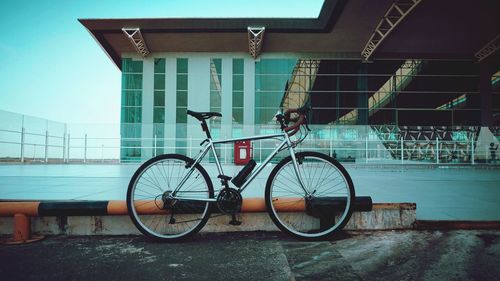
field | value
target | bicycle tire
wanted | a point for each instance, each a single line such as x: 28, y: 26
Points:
x: 318, y: 216
x: 169, y: 220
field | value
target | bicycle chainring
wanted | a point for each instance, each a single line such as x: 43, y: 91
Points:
x: 229, y: 201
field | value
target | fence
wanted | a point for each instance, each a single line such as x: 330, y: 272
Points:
x: 29, y: 139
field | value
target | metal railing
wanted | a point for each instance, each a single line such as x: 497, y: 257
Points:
x: 54, y: 142
x: 363, y: 150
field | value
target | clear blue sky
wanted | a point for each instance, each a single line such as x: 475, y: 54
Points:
x: 51, y: 67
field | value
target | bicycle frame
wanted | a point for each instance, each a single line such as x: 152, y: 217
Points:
x: 210, y: 146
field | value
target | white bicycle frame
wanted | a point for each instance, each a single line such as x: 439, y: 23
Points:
x: 210, y: 146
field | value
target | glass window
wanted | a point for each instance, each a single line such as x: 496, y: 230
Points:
x: 181, y: 134
x: 237, y: 99
x: 181, y: 115
x: 131, y: 98
x: 238, y: 82
x: 275, y: 66
x: 130, y: 150
x: 131, y: 110
x: 182, y: 98
x: 271, y: 79
x: 181, y: 104
x: 159, y: 65
x: 131, y: 66
x: 218, y: 65
x: 159, y: 101
x: 238, y: 86
x: 182, y: 82
x: 131, y: 81
x: 131, y: 114
x: 159, y: 133
x: 159, y: 83
x: 215, y: 84
x: 237, y: 66
x: 159, y: 115
x: 215, y: 100
x: 130, y: 130
x: 238, y: 115
x: 159, y: 98
x: 182, y: 66
x: 274, y: 82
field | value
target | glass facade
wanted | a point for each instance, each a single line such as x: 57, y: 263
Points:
x: 393, y: 99
x: 131, y: 110
x: 181, y: 105
x: 215, y: 95
x: 238, y: 96
x: 271, y: 80
x: 495, y: 87
x: 159, y: 105
x: 397, y: 92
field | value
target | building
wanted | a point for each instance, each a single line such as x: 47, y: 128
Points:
x: 407, y: 68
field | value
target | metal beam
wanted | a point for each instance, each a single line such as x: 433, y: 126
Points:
x: 255, y: 40
x: 488, y: 49
x: 135, y: 37
x: 394, y: 15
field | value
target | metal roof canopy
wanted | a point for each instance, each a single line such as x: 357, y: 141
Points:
x: 445, y: 29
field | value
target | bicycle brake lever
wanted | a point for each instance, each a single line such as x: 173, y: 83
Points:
x: 307, y: 125
x: 280, y: 118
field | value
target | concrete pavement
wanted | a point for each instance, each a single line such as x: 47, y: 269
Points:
x: 441, y: 193
x: 385, y: 255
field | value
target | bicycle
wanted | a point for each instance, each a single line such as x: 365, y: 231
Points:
x: 308, y: 195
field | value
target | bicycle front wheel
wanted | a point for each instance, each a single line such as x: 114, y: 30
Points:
x: 318, y: 208
x: 150, y: 204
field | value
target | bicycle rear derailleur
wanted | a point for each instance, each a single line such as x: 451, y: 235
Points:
x: 229, y: 202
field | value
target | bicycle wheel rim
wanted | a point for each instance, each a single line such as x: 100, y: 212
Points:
x: 147, y: 207
x: 326, y: 210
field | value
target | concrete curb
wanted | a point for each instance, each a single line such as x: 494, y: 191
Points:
x: 382, y: 217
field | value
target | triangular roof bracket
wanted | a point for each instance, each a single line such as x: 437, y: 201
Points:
x: 135, y: 37
x: 488, y: 49
x: 255, y: 40
x: 394, y: 15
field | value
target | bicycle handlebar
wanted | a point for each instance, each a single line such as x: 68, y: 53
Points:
x: 298, y: 121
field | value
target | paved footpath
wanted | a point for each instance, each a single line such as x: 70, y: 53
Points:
x: 386, y: 255
x: 441, y: 193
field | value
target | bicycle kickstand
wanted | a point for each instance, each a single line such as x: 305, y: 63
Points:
x: 234, y: 220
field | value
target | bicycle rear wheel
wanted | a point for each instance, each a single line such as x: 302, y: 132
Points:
x: 321, y: 211
x: 160, y: 217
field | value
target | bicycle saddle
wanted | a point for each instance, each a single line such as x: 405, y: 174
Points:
x: 203, y: 115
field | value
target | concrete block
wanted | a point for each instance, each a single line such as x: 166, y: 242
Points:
x: 385, y: 217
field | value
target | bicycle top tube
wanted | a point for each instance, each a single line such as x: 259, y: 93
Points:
x: 259, y: 137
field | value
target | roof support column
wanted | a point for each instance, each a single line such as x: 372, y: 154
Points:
x: 485, y: 95
x: 362, y: 88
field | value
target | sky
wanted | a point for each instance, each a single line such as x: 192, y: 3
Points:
x: 51, y: 67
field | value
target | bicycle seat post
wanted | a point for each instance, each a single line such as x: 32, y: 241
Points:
x: 204, y: 127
